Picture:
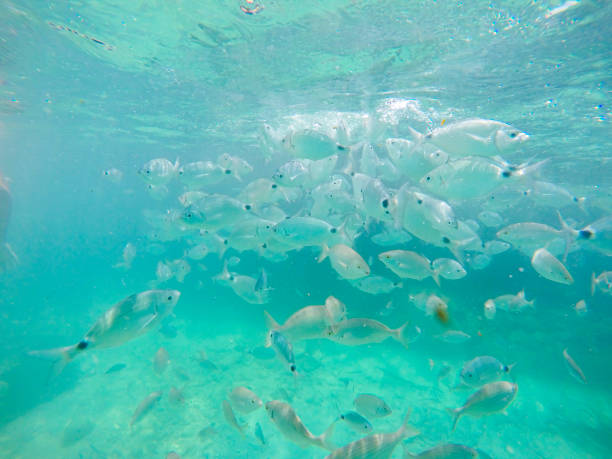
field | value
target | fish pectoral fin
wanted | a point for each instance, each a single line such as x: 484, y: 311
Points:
x: 146, y: 321
x: 480, y: 139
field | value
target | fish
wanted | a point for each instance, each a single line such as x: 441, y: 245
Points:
x: 145, y: 406
x: 448, y: 268
x: 474, y: 137
x: 496, y: 247
x: 200, y: 174
x: 359, y: 331
x: 376, y: 285
x: 159, y: 171
x: 230, y: 417
x: 345, y: 261
x: 511, y: 303
x: 549, y: 267
x: 447, y: 451
x: 238, y: 166
x: 259, y: 433
x: 306, y: 143
x: 284, y: 350
x: 483, y: 370
x: 414, y: 160
x: 490, y: 219
x: 597, y: 235
x: 490, y: 310
x: 197, y: 252
x: 161, y: 360
x: 176, y: 396
x: 489, y: 399
x: 126, y: 320
x: 356, y: 422
x: 379, y: 446
x: 453, y: 336
x: 115, y: 368
x: 244, y: 400
x: 529, y: 236
x: 127, y: 257
x: 573, y: 368
x: 603, y: 283
x: 473, y: 177
x: 114, y: 175
x: 580, y: 307
x: 214, y: 212
x: 75, y: 431
x: 391, y: 237
x: 305, y: 231
x: 548, y: 194
x: 371, y: 406
x: 191, y: 197
x: 409, y: 265
x: 291, y: 426
x: 310, y: 322
x: 243, y: 286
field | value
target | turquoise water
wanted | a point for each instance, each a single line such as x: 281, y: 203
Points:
x: 103, y: 85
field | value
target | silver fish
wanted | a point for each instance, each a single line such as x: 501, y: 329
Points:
x: 483, y: 370
x: 292, y: 427
x: 573, y: 368
x: 549, y: 267
x: 145, y: 406
x: 447, y: 451
x: 356, y: 422
x: 230, y: 417
x: 379, y: 446
x: 244, y: 400
x: 371, y: 406
x: 489, y: 399
x: 131, y: 317
x: 358, y: 331
x: 284, y: 350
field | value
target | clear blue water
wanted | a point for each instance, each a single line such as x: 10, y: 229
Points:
x: 100, y: 85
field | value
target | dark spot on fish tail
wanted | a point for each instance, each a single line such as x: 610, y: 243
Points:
x: 333, y: 230
x: 274, y: 186
x: 170, y: 298
x: 341, y: 147
x: 419, y: 201
x: 385, y: 203
x: 352, y: 174
x: 513, y: 135
x: 228, y: 171
x: 247, y: 206
x: 585, y: 234
x: 446, y: 240
x: 341, y: 416
x: 292, y: 368
x: 506, y: 174
x: 264, y: 245
x: 82, y: 345
x: 506, y: 368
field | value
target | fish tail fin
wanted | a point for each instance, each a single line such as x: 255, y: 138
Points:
x: 399, y: 334
x: 271, y: 324
x: 593, y: 283
x: 529, y: 171
x: 224, y: 274
x: 580, y: 203
x: 406, y: 430
x: 569, y: 234
x: 8, y: 258
x: 521, y: 294
x: 456, y: 413
x: 457, y: 252
x: 435, y: 275
x: 419, y: 138
x: 324, y: 253
x: 61, y: 356
x: 176, y: 164
x: 325, y: 438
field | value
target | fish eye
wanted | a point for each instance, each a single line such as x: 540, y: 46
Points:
x: 148, y: 171
x: 280, y: 175
x: 170, y: 298
x: 446, y: 240
x: 292, y: 368
x: 105, y: 172
x: 419, y: 201
x: 428, y: 178
x: 506, y: 174
x: 82, y: 345
x: 333, y: 230
x: 247, y: 207
x: 385, y: 203
x: 513, y: 135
